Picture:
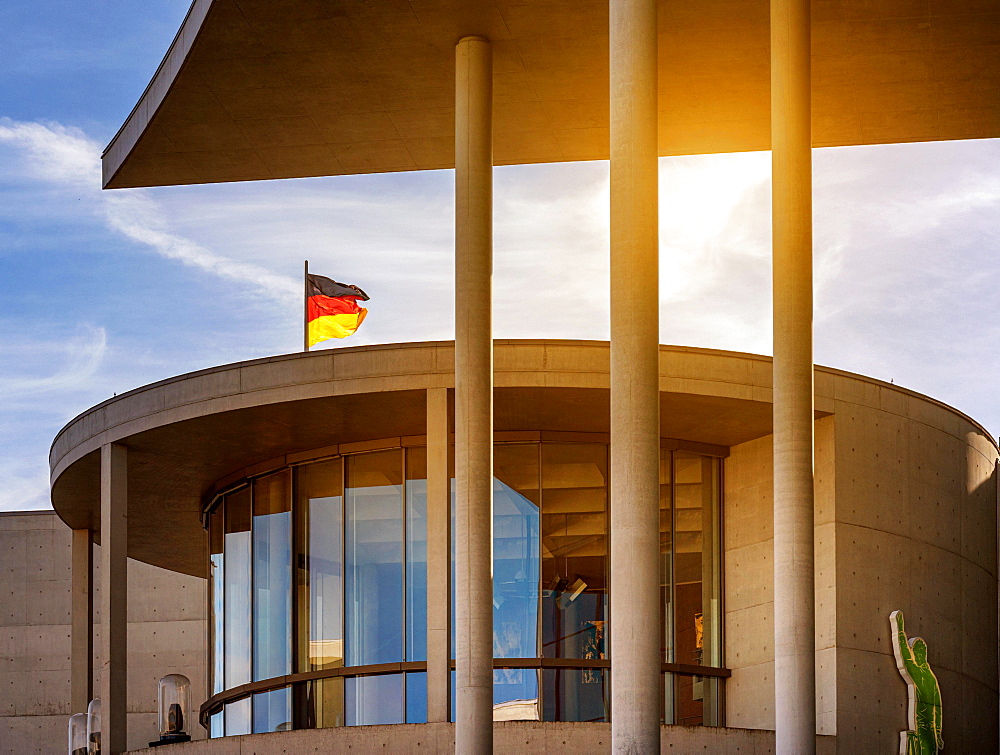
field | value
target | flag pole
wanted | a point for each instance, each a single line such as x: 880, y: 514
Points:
x: 305, y: 308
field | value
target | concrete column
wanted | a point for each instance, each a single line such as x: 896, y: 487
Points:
x: 635, y: 413
x: 474, y: 394
x: 794, y: 586
x: 438, y: 558
x: 114, y: 599
x: 81, y: 621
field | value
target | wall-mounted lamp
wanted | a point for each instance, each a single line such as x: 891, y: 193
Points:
x: 94, y: 726
x: 78, y: 734
x: 174, y: 692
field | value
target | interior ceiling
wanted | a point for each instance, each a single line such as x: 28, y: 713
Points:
x: 172, y: 468
x: 257, y: 89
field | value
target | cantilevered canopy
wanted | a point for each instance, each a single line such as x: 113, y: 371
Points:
x: 257, y: 89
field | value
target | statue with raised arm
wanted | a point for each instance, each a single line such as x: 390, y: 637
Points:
x: 924, y: 714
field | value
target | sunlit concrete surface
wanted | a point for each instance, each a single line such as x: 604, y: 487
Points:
x: 253, y: 89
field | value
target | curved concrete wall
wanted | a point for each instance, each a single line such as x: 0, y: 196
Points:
x: 906, y: 518
x: 509, y: 736
x: 906, y: 497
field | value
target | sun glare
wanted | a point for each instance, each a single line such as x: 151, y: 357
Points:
x: 698, y: 197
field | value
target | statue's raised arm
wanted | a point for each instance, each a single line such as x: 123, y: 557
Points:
x: 900, y: 645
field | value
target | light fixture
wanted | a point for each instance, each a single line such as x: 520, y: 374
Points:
x: 94, y: 726
x: 174, y: 691
x: 78, y: 734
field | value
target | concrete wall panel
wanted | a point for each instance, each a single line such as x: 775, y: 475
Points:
x: 511, y: 736
x: 35, y: 636
x: 916, y: 531
x: 750, y: 696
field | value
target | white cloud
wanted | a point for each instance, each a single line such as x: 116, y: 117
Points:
x: 76, y: 362
x: 24, y: 484
x: 41, y: 380
x: 67, y: 158
x: 55, y: 153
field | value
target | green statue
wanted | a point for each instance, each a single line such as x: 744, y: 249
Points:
x: 924, y: 714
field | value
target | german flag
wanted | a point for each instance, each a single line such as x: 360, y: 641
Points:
x: 332, y: 308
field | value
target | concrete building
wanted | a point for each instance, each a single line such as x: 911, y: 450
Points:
x: 166, y: 634
x: 258, y: 90
x: 323, y: 479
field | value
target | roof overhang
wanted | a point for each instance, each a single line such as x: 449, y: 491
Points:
x: 189, y: 434
x: 256, y: 89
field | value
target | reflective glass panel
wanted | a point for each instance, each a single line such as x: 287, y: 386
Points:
x: 373, y: 560
x: 416, y: 697
x: 416, y: 556
x: 696, y: 579
x: 272, y: 711
x: 216, y: 726
x: 666, y: 577
x: 320, y: 704
x: 216, y: 583
x: 272, y: 575
x: 697, y: 699
x: 320, y: 567
x: 575, y: 694
x: 374, y: 700
x: 238, y: 717
x: 451, y: 537
x: 237, y: 593
x: 515, y: 578
x: 574, y: 551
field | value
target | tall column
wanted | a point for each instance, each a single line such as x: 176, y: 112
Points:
x: 81, y: 621
x: 438, y: 558
x: 794, y: 587
x: 474, y: 394
x: 635, y: 408
x: 114, y: 597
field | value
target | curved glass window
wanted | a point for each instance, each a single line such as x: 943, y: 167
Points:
x: 318, y: 574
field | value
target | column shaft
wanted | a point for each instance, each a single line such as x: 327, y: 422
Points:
x: 635, y: 415
x: 114, y: 599
x: 81, y: 622
x: 794, y: 587
x: 438, y: 558
x: 474, y: 394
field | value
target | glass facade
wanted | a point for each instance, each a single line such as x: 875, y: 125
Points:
x: 318, y: 577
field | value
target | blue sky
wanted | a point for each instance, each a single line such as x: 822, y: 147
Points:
x: 101, y: 292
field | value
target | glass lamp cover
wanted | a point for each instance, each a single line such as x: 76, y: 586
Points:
x: 94, y: 726
x: 175, y: 689
x: 78, y: 734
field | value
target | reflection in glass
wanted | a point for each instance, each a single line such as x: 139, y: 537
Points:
x: 666, y: 578
x: 238, y: 717
x: 515, y: 578
x: 575, y: 694
x: 320, y: 704
x: 373, y: 544
x: 237, y: 567
x: 272, y: 711
x: 360, y: 588
x: 416, y: 556
x: 320, y: 566
x: 416, y: 697
x: 216, y: 585
x: 374, y: 700
x: 574, y: 551
x: 696, y: 579
x: 697, y: 699
x: 215, y: 725
x: 272, y: 576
